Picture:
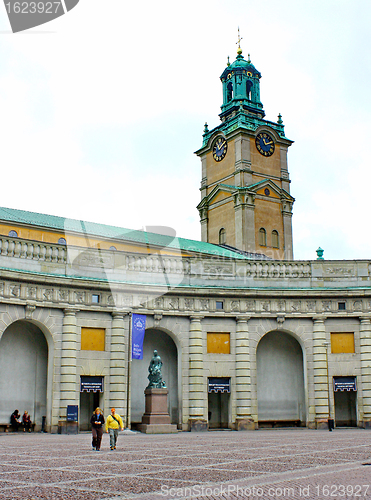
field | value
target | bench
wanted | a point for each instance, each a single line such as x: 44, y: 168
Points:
x: 8, y: 427
x: 279, y: 423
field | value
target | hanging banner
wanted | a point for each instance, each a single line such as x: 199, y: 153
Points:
x: 137, y: 335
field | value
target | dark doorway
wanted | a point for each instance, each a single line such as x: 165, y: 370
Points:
x: 345, y: 408
x: 218, y: 410
x: 88, y: 402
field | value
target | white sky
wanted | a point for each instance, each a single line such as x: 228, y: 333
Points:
x: 102, y: 109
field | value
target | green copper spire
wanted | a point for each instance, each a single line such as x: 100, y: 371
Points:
x: 241, y: 84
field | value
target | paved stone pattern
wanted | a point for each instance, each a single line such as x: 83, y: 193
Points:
x: 217, y: 465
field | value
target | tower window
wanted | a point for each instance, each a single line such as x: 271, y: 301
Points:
x: 229, y: 91
x: 13, y: 234
x: 262, y: 237
x: 222, y: 236
x: 62, y: 241
x: 275, y: 239
x: 248, y: 89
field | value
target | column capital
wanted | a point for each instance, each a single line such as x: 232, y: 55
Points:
x: 365, y: 319
x: 70, y: 311
x: 119, y: 314
x: 319, y: 318
x: 243, y: 318
x: 196, y: 317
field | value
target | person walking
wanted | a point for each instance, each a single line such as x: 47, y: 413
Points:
x: 97, y: 421
x: 113, y: 425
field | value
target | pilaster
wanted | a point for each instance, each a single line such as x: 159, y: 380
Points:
x: 197, y: 386
x: 365, y: 346
x: 118, y: 366
x: 244, y: 420
x: 287, y: 229
x: 320, y: 373
x: 69, y: 390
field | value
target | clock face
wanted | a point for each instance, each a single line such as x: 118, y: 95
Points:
x: 264, y: 144
x: 220, y: 149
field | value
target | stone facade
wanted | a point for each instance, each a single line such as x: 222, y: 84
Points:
x: 52, y: 288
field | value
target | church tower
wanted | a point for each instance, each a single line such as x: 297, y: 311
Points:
x: 245, y: 186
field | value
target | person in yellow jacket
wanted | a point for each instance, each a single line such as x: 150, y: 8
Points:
x: 113, y: 425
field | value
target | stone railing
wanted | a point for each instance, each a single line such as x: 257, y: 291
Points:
x: 176, y: 270
x: 24, y: 249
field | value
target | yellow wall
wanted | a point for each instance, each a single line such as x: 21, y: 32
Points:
x: 216, y: 170
x: 218, y: 343
x: 50, y: 236
x: 342, y: 343
x: 222, y: 216
x: 268, y: 215
x: 267, y: 166
x: 93, y: 339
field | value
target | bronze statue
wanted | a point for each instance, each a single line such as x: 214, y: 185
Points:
x: 154, y: 375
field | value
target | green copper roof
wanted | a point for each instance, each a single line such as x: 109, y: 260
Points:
x: 64, y: 225
x: 241, y: 62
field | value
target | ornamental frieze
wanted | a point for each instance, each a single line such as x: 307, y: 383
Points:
x: 339, y: 271
x: 15, y: 290
x: 91, y: 258
x: 235, y: 305
x: 189, y: 304
x: 48, y: 294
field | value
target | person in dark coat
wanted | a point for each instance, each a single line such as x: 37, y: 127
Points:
x: 97, y: 421
x: 15, y: 420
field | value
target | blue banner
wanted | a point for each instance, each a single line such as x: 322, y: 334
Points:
x: 137, y: 336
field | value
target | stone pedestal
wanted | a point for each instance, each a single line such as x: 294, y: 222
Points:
x: 245, y: 424
x: 156, y: 419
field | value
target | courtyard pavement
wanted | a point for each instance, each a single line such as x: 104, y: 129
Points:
x: 265, y: 464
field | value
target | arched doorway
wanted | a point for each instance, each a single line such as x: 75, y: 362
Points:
x: 280, y: 373
x: 160, y: 340
x: 23, y: 371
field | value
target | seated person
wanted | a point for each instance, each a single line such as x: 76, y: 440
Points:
x: 15, y: 421
x: 26, y: 422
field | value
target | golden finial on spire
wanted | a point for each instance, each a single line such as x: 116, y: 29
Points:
x: 239, y: 50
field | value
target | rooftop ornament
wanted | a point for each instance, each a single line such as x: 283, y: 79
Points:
x: 239, y: 50
x: 319, y: 252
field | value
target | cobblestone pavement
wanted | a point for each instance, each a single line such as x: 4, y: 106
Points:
x: 266, y: 464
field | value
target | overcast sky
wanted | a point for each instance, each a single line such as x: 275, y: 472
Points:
x: 102, y: 109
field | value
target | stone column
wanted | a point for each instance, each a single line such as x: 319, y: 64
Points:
x: 197, y: 387
x: 243, y: 380
x: 118, y: 388
x: 320, y: 373
x: 69, y: 389
x: 287, y: 229
x: 365, y: 345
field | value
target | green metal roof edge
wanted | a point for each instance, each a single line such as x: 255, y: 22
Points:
x: 114, y: 232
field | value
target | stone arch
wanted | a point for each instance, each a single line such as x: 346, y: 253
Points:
x: 168, y: 347
x: 26, y: 361
x: 280, y: 365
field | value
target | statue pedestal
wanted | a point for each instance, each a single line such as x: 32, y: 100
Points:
x: 156, y: 419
